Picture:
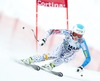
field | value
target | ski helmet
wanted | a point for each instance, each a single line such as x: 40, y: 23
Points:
x: 79, y: 29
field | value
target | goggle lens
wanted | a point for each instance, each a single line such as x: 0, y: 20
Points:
x: 78, y: 35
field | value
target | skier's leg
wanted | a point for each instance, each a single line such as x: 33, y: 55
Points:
x: 58, y: 53
x: 68, y: 57
x: 35, y: 58
x: 53, y: 64
x: 47, y: 56
x: 55, y: 53
x: 39, y: 58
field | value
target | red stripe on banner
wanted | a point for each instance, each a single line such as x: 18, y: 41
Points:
x: 66, y: 1
x: 36, y: 24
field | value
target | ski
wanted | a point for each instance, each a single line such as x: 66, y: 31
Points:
x: 38, y: 68
x: 60, y: 74
x: 34, y: 66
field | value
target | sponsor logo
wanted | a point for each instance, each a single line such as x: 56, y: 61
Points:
x: 50, y: 4
x: 72, y: 48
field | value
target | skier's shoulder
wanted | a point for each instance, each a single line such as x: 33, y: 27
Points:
x: 65, y: 31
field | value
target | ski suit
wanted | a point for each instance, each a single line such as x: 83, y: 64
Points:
x: 65, y: 51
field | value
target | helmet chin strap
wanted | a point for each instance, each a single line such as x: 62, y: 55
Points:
x: 75, y: 37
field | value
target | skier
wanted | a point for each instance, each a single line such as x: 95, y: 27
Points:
x: 65, y: 52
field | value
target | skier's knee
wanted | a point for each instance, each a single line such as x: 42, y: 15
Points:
x: 46, y: 56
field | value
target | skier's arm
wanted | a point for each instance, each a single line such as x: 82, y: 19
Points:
x: 56, y: 31
x: 86, y: 53
x: 53, y: 31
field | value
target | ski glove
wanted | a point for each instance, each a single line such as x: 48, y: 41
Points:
x: 42, y: 42
x: 80, y: 68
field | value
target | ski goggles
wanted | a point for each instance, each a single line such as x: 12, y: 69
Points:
x: 78, y: 35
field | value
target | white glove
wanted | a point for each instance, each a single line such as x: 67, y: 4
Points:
x: 42, y: 42
x: 80, y: 69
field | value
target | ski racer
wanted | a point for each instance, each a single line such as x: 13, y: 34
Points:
x: 65, y: 52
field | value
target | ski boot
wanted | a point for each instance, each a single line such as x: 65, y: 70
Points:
x: 28, y: 60
x: 48, y: 66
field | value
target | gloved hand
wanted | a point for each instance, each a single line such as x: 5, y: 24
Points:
x: 42, y: 42
x: 80, y: 69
